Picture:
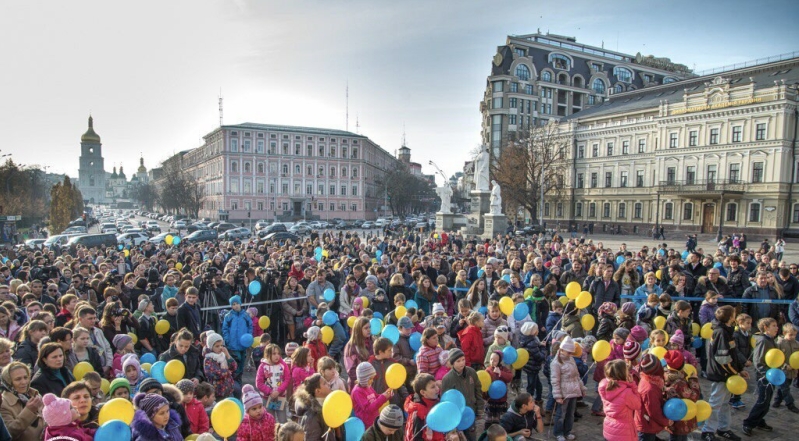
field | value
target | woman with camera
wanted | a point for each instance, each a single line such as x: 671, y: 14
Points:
x: 117, y: 321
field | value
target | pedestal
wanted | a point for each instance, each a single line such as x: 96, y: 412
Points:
x: 445, y: 221
x: 494, y: 224
x: 480, y: 204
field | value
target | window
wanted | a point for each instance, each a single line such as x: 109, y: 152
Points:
x: 528, y: 89
x: 578, y: 210
x: 546, y: 209
x: 795, y: 218
x: 355, y: 173
x: 668, y: 211
x: 641, y: 145
x: 732, y: 212
x: 308, y: 189
x: 546, y: 76
x: 610, y: 149
x: 234, y: 167
x: 760, y: 132
x: 668, y: 80
x: 234, y: 205
x: 272, y: 148
x: 261, y: 167
x: 260, y: 187
x: 309, y: 170
x: 714, y: 136
x: 623, y: 179
x: 625, y: 147
x: 332, y: 206
x: 355, y: 190
x: 690, y: 174
x: 512, y: 102
x: 692, y: 135
x: 592, y: 210
x: 639, y: 178
x: 735, y: 172
x: 332, y: 151
x: 497, y: 86
x: 296, y: 169
x: 606, y: 209
x: 247, y: 167
x: 343, y: 190
x: 332, y: 191
x: 309, y: 150
x: 580, y: 151
x: 608, y: 179
x: 623, y: 74
x: 618, y: 88
x: 234, y: 145
x: 591, y: 100
x: 736, y: 133
x: 711, y: 173
x: 637, y: 210
x: 514, y: 87
x: 559, y: 210
x: 343, y: 172
x: 688, y: 211
x: 354, y: 207
x: 622, y: 210
x: 496, y: 103
x: 580, y: 183
x: 593, y: 180
x: 260, y: 146
x: 595, y: 150
x: 246, y: 146
x: 754, y: 212
x: 672, y: 140
x: 519, y: 52
x: 321, y: 150
x: 671, y: 175
x: 757, y: 172
x: 560, y: 61
x: 260, y: 206
x: 522, y: 72
x: 598, y: 86
x: 285, y: 169
x: 512, y: 120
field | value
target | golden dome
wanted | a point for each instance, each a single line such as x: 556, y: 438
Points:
x: 90, y: 135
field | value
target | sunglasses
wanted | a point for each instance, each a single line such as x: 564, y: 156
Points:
x: 52, y: 290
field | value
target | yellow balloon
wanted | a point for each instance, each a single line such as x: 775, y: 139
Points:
x: 775, y: 358
x: 192, y: 437
x: 352, y: 319
x: 528, y: 292
x: 736, y: 385
x: 485, y: 380
x: 578, y: 350
x: 396, y: 376
x: 105, y: 385
x: 146, y: 367
x: 327, y: 335
x: 691, y: 414
x: 695, y: 328
x: 659, y: 352
x: 133, y: 337
x: 365, y: 301
x: 174, y: 371
x: 82, y: 369
x: 255, y: 343
x: 563, y: 300
x: 660, y: 322
x: 703, y: 410
x: 583, y: 300
x: 226, y: 418
x: 707, y: 331
x: 126, y: 252
x: 689, y: 370
x: 588, y: 321
x: 179, y: 266
x: 264, y: 322
x: 658, y: 274
x: 506, y: 305
x: 162, y: 327
x: 573, y: 290
x: 600, y: 351
x: 116, y: 409
x: 168, y: 239
x: 325, y: 253
x: 336, y: 408
x: 666, y: 334
x: 752, y: 341
x: 522, y: 357
x: 794, y: 360
x: 399, y: 313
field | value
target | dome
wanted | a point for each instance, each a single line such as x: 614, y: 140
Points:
x: 142, y: 169
x: 90, y: 135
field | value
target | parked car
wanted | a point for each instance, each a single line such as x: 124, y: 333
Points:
x: 75, y: 230
x: 108, y: 228
x: 224, y: 226
x: 132, y: 238
x: 35, y: 243
x: 236, y: 233
x: 300, y: 229
x: 201, y: 236
x: 274, y: 228
x: 367, y: 225
x: 179, y: 225
x: 159, y: 238
x: 261, y: 224
x: 93, y: 240
x: 281, y: 236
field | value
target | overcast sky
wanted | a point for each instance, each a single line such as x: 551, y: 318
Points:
x: 150, y: 72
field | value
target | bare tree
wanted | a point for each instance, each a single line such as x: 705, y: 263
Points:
x: 179, y: 190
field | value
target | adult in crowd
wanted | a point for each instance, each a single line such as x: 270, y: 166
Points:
x: 21, y: 404
x: 51, y: 377
x: 87, y: 318
x: 79, y: 394
x: 183, y: 350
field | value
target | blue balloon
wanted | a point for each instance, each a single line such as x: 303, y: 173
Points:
x: 376, y: 325
x: 697, y: 343
x: 329, y: 295
x: 157, y: 371
x: 411, y: 304
x: 775, y: 376
x: 619, y: 259
x: 330, y: 318
x: 377, y: 315
x: 318, y: 250
x: 113, y: 430
x: 246, y: 340
x: 415, y: 340
x: 255, y: 287
x: 506, y: 278
x: 675, y: 409
x: 354, y: 429
x: 175, y: 240
x: 498, y: 390
x: 454, y: 396
x: 509, y: 355
x: 444, y: 417
x: 645, y: 344
x: 467, y: 419
x: 121, y: 247
x: 392, y: 333
x: 238, y: 403
x: 521, y: 311
x: 480, y: 273
x: 148, y: 358
x: 483, y: 310
x: 663, y: 362
x: 378, y: 254
x: 717, y: 265
x: 684, y: 256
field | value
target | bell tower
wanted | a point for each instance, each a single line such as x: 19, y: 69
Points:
x: 91, y: 171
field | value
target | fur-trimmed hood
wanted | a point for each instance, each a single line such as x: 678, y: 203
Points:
x: 144, y: 429
x: 172, y: 394
x: 703, y: 281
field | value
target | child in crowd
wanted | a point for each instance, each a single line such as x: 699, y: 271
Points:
x: 417, y: 406
x: 257, y: 425
x: 707, y: 312
x: 195, y: 410
x: 472, y: 341
x: 523, y: 418
x: 61, y: 419
x: 95, y: 384
x: 427, y: 357
x: 366, y: 402
x: 84, y: 350
x: 204, y: 392
x: 657, y: 339
x: 257, y: 332
x: 302, y: 366
x: 620, y: 400
x: 607, y: 321
x: 258, y: 353
x: 496, y: 433
x: 443, y: 358
x: 571, y: 321
x: 537, y: 356
x: 626, y: 316
x: 677, y: 386
x: 329, y: 370
x: 515, y: 326
x: 314, y: 344
x: 632, y: 350
x: 539, y: 308
x: 124, y: 345
x: 219, y: 366
x: 492, y: 322
x: 460, y: 321
x: 664, y: 307
x: 788, y: 345
x: 119, y: 388
x: 566, y: 388
x: 650, y: 421
x: 764, y: 342
x: 554, y: 318
x: 743, y: 338
x: 498, y: 371
x: 648, y: 312
x: 399, y: 300
x: 357, y: 307
x: 676, y: 343
x: 403, y: 353
x: 680, y: 318
x: 154, y: 419
x: 272, y: 379
x: 444, y: 340
x: 464, y: 379
x: 381, y: 360
x: 237, y: 323
x: 339, y: 334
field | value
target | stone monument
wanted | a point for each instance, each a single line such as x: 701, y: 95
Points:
x: 481, y: 196
x: 494, y: 221
x: 444, y: 216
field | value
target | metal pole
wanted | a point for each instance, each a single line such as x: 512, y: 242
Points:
x: 657, y: 216
x: 721, y: 217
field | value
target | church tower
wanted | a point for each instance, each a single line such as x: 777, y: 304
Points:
x: 91, y: 172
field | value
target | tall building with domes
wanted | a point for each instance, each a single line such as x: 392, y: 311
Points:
x: 91, y: 171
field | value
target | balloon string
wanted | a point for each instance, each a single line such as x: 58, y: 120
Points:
x: 419, y: 432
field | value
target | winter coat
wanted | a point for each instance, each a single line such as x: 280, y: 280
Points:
x: 379, y: 383
x: 297, y: 306
x: 678, y: 387
x: 22, y: 423
x: 310, y: 413
x: 644, y: 290
x: 538, y: 353
x: 601, y: 294
x: 353, y: 357
x: 27, y: 352
x: 221, y: 379
x: 788, y: 347
x: 753, y: 309
x: 93, y: 358
x: 607, y: 324
x: 427, y: 360
x: 515, y: 327
x: 491, y: 325
x: 72, y: 431
x: 316, y: 350
x: 650, y: 418
x: 572, y: 326
x: 12, y: 332
x: 403, y: 354
x: 743, y: 341
x: 468, y: 385
x: 539, y: 310
x: 234, y: 326
x: 339, y: 340
x: 763, y: 343
x: 553, y: 321
x: 191, y: 361
x: 512, y: 421
x: 425, y: 303
x: 565, y: 379
x: 619, y: 406
x: 366, y: 402
x: 142, y: 429
x: 793, y: 313
x: 738, y: 281
x: 494, y: 348
x: 374, y: 433
x: 257, y: 430
x: 102, y: 345
x: 45, y: 380
x: 472, y: 345
x: 272, y: 377
x: 674, y: 322
x: 417, y: 409
x: 703, y: 285
x: 707, y: 312
x: 722, y: 354
x: 198, y: 418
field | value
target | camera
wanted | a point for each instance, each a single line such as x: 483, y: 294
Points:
x: 46, y: 273
x: 209, y: 274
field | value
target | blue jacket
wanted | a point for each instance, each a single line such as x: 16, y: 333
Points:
x: 235, y: 325
x: 339, y: 340
x: 793, y: 313
x: 538, y: 353
x: 553, y: 321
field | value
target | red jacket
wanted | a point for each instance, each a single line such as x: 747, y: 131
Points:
x: 415, y: 426
x: 472, y: 345
x: 317, y: 350
x: 650, y: 388
x: 261, y: 430
x: 197, y: 416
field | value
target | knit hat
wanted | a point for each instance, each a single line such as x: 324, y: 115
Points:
x: 638, y: 333
x: 502, y: 331
x: 131, y: 361
x: 250, y: 397
x: 631, y: 350
x: 312, y: 334
x: 404, y: 322
x: 608, y: 308
x: 185, y: 386
x: 674, y: 360
x: 235, y: 299
x: 253, y: 311
x: 371, y: 278
x: 364, y: 372
x: 567, y: 344
x: 621, y: 333
x: 127, y: 356
x: 121, y: 340
x: 678, y: 339
x: 651, y: 365
x: 143, y: 304
x: 646, y: 313
x: 438, y: 307
x: 149, y: 384
x: 628, y: 309
x: 57, y: 411
x: 529, y: 328
x: 454, y: 355
x: 558, y: 335
x: 290, y: 348
x: 116, y: 384
x: 443, y: 357
x: 149, y: 403
x: 392, y: 417
x: 211, y: 338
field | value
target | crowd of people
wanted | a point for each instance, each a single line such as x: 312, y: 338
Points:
x: 316, y: 318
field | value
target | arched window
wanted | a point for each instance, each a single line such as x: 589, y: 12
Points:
x: 623, y: 74
x: 637, y: 210
x: 343, y: 172
x: 332, y: 172
x: 592, y: 210
x: 560, y: 61
x: 344, y: 152
x: 618, y: 88
x: 247, y: 167
x: 688, y: 211
x: 546, y: 76
x: 622, y: 210
x: 523, y: 72
x: 332, y: 151
x: 260, y: 167
x: 297, y: 169
x: 285, y: 169
x: 598, y: 86
x: 578, y: 82
x: 234, y: 166
x: 606, y: 209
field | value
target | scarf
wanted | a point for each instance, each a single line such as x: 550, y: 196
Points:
x: 219, y: 358
x: 22, y: 397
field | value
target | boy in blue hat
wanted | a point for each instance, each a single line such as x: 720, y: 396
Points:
x: 237, y: 323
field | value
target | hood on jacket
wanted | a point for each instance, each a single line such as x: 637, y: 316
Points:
x: 172, y: 394
x: 421, y: 406
x: 611, y: 395
x: 147, y: 430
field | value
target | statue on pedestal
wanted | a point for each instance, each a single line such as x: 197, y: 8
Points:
x: 481, y: 164
x: 496, y: 198
x: 445, y: 193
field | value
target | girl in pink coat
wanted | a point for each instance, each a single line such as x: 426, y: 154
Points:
x: 620, y: 400
x: 366, y: 402
x: 273, y: 378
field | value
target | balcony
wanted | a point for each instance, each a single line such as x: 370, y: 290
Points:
x: 702, y: 187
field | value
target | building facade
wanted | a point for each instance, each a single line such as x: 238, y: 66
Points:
x: 261, y: 171
x: 714, y: 154
x: 91, y: 168
x: 540, y: 77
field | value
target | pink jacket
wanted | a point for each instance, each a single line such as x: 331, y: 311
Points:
x: 70, y: 431
x: 298, y: 375
x: 620, y: 405
x: 260, y: 430
x: 443, y: 370
x: 366, y: 403
x: 267, y: 382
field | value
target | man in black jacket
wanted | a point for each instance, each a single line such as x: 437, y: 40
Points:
x: 605, y: 290
x: 738, y: 278
x: 189, y: 313
x: 188, y: 354
x: 761, y: 291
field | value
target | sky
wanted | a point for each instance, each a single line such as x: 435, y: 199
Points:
x: 151, y: 72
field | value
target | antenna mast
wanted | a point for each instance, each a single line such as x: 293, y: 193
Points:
x: 357, y: 124
x: 220, y: 107
x: 347, y: 109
